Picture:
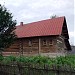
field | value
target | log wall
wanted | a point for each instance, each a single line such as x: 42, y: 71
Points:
x: 22, y: 45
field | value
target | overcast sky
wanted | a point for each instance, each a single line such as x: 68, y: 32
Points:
x: 28, y: 11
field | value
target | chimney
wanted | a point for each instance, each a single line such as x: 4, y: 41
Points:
x: 21, y: 23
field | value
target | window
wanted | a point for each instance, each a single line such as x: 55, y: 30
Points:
x: 30, y: 43
x: 44, y: 42
x: 50, y: 42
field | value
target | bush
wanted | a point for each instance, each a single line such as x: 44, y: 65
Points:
x: 41, y: 60
x: 1, y: 57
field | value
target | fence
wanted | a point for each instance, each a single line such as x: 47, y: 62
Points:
x: 30, y: 69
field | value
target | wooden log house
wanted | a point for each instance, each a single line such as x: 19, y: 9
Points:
x: 46, y: 36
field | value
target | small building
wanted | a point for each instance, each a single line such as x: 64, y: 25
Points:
x: 43, y: 37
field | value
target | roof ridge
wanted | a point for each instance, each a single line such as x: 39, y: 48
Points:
x: 43, y: 20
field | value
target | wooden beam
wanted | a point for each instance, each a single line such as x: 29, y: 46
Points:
x: 39, y: 46
x: 21, y: 47
x: 65, y: 33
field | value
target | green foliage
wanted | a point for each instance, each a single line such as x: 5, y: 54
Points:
x: 22, y: 59
x: 7, y: 25
x: 1, y: 57
x: 68, y: 60
x: 40, y: 59
x: 8, y: 59
x: 12, y: 58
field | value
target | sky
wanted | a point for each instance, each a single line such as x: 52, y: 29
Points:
x: 28, y: 11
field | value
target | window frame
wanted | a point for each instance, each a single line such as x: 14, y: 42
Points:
x: 50, y: 42
x: 44, y: 42
x: 30, y: 43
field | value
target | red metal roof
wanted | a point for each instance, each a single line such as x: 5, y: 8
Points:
x: 40, y: 28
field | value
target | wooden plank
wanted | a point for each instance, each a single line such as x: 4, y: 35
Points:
x: 39, y: 46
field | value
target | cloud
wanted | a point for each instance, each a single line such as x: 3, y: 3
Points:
x: 72, y: 37
x: 38, y: 8
x: 56, y: 5
x: 72, y: 34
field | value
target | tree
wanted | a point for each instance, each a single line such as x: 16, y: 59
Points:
x: 7, y: 26
x: 53, y: 16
